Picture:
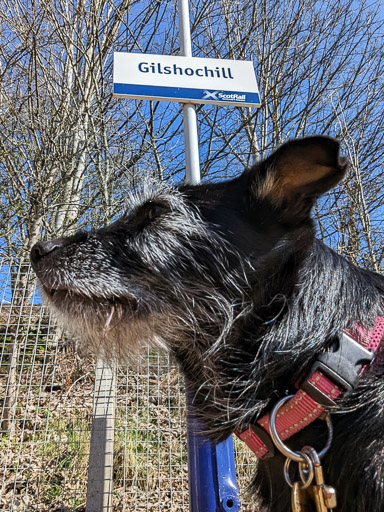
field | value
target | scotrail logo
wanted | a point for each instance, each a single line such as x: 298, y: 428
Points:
x: 221, y: 96
x: 211, y: 95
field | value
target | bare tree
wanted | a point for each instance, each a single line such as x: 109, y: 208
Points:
x: 54, y: 118
x: 320, y: 67
x: 69, y: 149
x: 65, y: 145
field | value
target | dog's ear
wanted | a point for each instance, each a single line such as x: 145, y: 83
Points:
x: 298, y: 172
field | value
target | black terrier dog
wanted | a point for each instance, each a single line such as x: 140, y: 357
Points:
x: 230, y: 279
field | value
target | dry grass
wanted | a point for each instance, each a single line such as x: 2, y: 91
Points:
x: 43, y: 467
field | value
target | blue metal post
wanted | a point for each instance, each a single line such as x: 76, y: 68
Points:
x: 211, y: 472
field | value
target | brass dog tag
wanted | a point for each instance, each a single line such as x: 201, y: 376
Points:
x: 299, y: 499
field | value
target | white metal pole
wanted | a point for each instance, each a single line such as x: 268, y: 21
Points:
x: 191, y: 141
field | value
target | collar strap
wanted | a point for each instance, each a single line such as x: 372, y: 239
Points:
x: 332, y: 374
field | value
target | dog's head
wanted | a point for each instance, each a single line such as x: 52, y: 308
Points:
x: 186, y: 263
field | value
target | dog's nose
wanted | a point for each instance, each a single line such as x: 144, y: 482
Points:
x: 41, y: 249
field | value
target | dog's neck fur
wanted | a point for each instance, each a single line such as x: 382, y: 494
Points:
x: 271, y: 342
x: 275, y: 353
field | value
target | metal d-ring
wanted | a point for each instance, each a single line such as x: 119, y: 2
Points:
x: 296, y: 456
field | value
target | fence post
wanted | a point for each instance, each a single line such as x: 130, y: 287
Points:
x: 100, y: 469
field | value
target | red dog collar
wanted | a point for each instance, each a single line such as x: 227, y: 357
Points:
x: 331, y: 375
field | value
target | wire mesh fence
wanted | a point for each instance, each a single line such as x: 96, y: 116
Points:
x: 47, y: 404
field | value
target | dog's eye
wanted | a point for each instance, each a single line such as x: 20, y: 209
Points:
x: 149, y: 212
x: 154, y: 210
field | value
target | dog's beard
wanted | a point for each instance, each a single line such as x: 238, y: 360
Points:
x: 111, y: 329
x: 119, y: 328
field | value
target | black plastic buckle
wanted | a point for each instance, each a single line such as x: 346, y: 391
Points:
x: 342, y: 365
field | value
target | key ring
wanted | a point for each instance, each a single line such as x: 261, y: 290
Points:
x: 306, y: 481
x: 284, y: 449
